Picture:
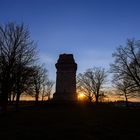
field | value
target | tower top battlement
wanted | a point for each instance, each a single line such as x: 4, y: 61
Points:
x: 66, y: 62
x: 66, y: 58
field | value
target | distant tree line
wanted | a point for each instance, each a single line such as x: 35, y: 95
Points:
x: 20, y: 72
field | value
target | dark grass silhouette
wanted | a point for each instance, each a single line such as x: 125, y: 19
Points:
x: 71, y: 122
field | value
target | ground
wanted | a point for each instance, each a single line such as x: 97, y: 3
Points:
x: 71, y: 122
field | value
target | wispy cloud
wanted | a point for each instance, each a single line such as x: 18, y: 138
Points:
x: 49, y: 62
x: 47, y: 59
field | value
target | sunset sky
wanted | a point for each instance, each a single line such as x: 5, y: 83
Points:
x: 89, y: 29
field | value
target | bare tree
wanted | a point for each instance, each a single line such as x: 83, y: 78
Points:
x: 17, y: 54
x: 124, y: 88
x: 91, y: 82
x: 47, y: 89
x: 127, y: 64
x: 41, y: 86
x: 39, y: 77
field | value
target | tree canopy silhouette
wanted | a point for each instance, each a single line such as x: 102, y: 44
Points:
x: 91, y: 82
x: 17, y: 55
x: 126, y: 68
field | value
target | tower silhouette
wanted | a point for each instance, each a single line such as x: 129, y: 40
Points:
x: 65, y: 78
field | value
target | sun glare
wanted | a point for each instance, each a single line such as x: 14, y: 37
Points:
x: 81, y: 96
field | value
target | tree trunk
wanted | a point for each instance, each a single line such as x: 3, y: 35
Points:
x: 13, y: 97
x: 96, y: 102
x: 4, y: 103
x: 43, y: 93
x: 42, y: 98
x: 126, y: 99
x: 49, y: 98
x: 90, y: 99
x: 9, y: 98
x: 97, y: 98
x: 36, y: 98
x: 4, y: 98
x: 17, y: 101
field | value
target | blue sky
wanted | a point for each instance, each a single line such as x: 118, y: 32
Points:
x: 90, y: 29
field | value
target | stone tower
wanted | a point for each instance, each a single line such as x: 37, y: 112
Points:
x: 65, y: 78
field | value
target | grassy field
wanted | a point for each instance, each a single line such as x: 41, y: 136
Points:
x: 71, y: 122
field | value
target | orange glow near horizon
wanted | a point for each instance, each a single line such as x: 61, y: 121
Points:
x: 30, y: 98
x: 81, y: 97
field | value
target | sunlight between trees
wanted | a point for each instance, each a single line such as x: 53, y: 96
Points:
x: 91, y: 82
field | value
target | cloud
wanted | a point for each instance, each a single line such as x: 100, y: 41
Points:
x: 49, y: 62
x: 47, y: 59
